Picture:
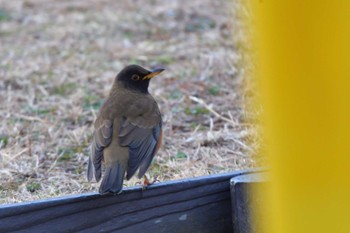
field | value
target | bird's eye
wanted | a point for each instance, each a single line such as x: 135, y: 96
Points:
x: 135, y: 77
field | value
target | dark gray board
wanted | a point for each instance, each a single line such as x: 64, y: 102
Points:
x: 200, y: 204
x: 243, y: 200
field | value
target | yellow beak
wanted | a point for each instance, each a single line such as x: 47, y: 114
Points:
x: 153, y: 73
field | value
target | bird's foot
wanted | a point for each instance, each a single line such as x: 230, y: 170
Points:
x: 146, y: 182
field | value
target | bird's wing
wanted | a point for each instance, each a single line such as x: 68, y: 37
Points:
x: 101, y: 139
x: 142, y: 133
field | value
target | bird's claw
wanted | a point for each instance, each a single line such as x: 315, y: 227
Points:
x: 146, y: 181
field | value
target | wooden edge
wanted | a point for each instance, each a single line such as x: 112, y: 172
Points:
x: 129, y: 190
x: 204, y: 201
x: 242, y: 200
x: 256, y: 177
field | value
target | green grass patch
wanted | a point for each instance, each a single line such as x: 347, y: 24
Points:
x: 175, y: 95
x: 165, y: 59
x: 65, y: 89
x: 128, y: 34
x: 194, y: 125
x: 135, y: 61
x: 68, y: 153
x: 66, y: 156
x: 200, y: 23
x: 4, y: 15
x: 92, y: 102
x: 179, y: 156
x: 196, y: 111
x: 40, y: 111
x: 214, y: 90
x: 3, y: 140
x: 33, y: 186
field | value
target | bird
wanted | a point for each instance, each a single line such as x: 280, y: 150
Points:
x: 127, y: 131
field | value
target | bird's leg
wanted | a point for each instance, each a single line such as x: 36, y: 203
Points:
x: 146, y: 182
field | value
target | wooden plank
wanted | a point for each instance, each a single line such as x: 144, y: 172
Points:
x: 242, y: 200
x: 193, y: 205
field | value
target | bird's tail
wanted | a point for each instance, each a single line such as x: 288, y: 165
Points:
x: 112, y: 181
x: 90, y: 170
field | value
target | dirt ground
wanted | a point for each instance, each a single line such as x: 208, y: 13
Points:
x: 58, y: 60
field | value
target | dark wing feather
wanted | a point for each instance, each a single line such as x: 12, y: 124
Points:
x: 146, y: 162
x: 142, y: 140
x: 102, y: 138
x: 113, y: 180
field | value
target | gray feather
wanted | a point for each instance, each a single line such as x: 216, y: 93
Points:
x: 102, y: 138
x: 90, y: 170
x: 112, y: 180
x: 142, y: 143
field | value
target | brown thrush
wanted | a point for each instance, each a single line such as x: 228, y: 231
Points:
x: 127, y: 131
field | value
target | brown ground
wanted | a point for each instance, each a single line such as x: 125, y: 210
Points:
x: 58, y: 60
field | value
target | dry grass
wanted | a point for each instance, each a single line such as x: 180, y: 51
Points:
x: 57, y: 63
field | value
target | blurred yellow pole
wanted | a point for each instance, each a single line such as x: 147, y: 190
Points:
x: 303, y: 59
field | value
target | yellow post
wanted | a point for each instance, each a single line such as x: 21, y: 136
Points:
x: 303, y: 71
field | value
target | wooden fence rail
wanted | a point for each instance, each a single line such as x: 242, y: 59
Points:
x: 200, y: 204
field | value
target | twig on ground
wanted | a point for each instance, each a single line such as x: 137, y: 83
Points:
x: 210, y: 109
x: 28, y: 118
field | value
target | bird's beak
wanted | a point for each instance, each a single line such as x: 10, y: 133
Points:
x: 153, y: 73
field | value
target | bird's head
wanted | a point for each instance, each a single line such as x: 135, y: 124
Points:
x: 136, y: 78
